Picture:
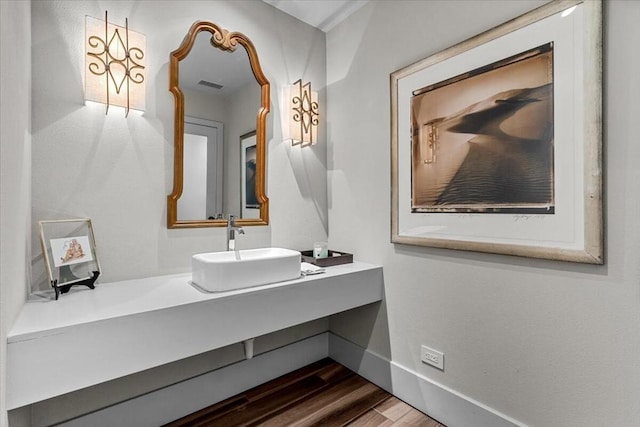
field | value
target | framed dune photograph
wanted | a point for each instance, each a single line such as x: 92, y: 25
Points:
x: 496, y: 142
x: 483, y: 141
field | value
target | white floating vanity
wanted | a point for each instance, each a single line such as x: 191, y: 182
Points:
x: 91, y: 336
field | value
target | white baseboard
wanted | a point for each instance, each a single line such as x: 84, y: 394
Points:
x: 440, y: 402
x: 175, y: 401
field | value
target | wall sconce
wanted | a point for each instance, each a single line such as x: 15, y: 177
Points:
x: 302, y: 111
x: 114, y: 65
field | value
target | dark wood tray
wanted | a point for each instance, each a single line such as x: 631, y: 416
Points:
x: 343, y: 258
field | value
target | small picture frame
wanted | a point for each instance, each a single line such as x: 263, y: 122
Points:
x: 69, y: 250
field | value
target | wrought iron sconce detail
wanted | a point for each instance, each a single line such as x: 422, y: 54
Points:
x: 303, y: 114
x: 114, y: 69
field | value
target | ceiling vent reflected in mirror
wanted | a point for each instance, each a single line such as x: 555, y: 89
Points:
x: 210, y: 84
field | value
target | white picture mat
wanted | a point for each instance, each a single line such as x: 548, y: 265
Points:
x: 565, y: 227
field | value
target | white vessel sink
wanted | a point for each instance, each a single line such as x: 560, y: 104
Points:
x: 225, y: 271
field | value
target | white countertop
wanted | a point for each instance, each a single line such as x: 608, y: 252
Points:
x: 124, y: 327
x: 109, y: 300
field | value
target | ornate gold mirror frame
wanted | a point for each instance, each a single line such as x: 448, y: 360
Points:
x: 226, y: 41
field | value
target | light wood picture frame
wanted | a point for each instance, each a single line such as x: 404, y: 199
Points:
x: 70, y: 254
x: 496, y: 142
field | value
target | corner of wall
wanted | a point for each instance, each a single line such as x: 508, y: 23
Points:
x: 15, y: 160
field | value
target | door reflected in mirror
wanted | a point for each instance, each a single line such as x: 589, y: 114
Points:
x: 221, y: 103
x: 203, y: 169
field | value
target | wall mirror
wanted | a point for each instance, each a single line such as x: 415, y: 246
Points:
x: 221, y: 104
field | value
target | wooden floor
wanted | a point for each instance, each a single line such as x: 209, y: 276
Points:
x: 324, y: 393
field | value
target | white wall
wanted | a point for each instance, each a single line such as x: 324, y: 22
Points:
x: 118, y: 171
x: 544, y: 342
x: 547, y: 343
x: 203, y: 105
x: 15, y: 169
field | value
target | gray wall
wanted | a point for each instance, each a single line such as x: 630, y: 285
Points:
x: 15, y: 169
x: 547, y: 343
x: 544, y: 342
x: 118, y: 171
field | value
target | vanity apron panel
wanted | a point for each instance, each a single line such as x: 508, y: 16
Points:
x: 89, y: 337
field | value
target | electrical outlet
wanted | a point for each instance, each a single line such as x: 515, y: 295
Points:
x: 432, y: 357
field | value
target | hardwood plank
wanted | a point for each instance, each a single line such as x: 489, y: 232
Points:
x: 261, y: 409
x: 415, y: 418
x: 393, y: 408
x: 340, y: 416
x: 346, y: 409
x: 324, y: 393
x: 211, y: 412
x: 290, y: 378
x: 333, y: 372
x: 371, y: 418
x: 239, y: 402
x: 315, y: 404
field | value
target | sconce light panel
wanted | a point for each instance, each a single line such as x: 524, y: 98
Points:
x: 302, y: 114
x: 114, y: 64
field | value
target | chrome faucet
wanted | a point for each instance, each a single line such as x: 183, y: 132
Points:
x: 231, y: 233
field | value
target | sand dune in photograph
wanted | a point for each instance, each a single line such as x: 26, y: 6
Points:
x: 507, y: 161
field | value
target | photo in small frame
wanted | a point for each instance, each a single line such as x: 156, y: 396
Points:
x: 70, y: 252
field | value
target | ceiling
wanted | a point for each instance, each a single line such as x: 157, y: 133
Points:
x: 322, y: 14
x: 234, y: 71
